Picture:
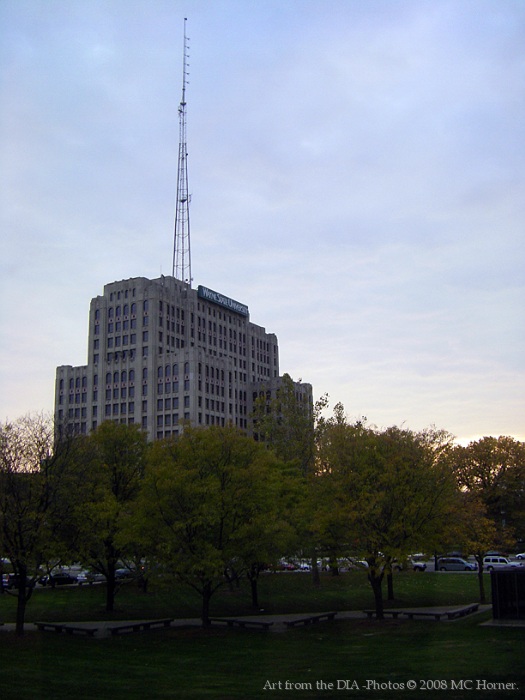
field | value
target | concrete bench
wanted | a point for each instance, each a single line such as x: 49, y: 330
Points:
x: 461, y: 612
x: 393, y: 613
x: 68, y: 629
x: 424, y: 613
x: 436, y: 614
x: 311, y: 619
x: 240, y: 623
x: 140, y: 626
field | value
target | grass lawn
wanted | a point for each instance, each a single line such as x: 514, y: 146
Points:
x: 230, y: 663
x: 278, y: 593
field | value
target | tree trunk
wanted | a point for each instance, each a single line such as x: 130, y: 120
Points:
x: 316, y: 579
x: 481, y: 582
x: 206, y: 597
x: 23, y: 596
x: 390, y: 585
x: 253, y: 577
x: 375, y: 582
x: 334, y: 566
x: 110, y: 589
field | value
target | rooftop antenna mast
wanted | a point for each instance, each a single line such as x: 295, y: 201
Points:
x: 181, y: 238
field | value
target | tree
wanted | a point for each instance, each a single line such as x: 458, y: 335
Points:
x: 287, y: 423
x: 208, y: 506
x: 475, y: 531
x: 33, y: 483
x: 391, y: 492
x: 111, y: 469
x: 494, y: 470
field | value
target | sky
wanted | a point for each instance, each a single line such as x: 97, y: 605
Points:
x: 357, y: 179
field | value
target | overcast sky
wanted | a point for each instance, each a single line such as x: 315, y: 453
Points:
x: 357, y: 170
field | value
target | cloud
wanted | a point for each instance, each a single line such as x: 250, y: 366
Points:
x: 356, y: 171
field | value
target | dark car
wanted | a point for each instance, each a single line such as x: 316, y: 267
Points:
x: 122, y: 574
x: 13, y: 580
x: 58, y: 579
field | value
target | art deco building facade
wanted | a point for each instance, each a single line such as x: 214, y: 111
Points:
x: 162, y: 355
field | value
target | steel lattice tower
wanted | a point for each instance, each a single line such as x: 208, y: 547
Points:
x: 181, y: 238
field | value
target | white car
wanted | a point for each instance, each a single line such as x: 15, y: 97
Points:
x: 520, y: 556
x: 490, y: 563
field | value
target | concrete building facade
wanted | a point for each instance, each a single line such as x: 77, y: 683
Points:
x: 162, y: 355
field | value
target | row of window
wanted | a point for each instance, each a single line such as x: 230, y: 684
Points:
x: 81, y: 427
x: 125, y: 293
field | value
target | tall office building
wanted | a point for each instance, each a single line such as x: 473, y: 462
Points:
x: 161, y: 355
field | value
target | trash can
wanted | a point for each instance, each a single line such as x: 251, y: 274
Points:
x: 508, y: 593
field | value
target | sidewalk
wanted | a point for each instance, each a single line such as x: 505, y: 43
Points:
x: 278, y: 621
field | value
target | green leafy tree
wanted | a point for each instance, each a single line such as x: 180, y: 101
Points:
x: 111, y: 468
x: 209, y: 506
x: 494, y: 470
x: 391, y: 492
x: 34, y: 481
x: 475, y: 530
x: 287, y: 422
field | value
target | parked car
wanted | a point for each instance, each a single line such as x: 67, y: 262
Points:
x: 520, y: 556
x: 61, y: 578
x: 123, y: 574
x: 454, y: 564
x: 83, y: 577
x: 13, y: 581
x: 410, y: 564
x: 96, y: 577
x: 417, y: 565
x: 491, y: 563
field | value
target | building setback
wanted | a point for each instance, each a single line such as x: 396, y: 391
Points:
x: 161, y: 355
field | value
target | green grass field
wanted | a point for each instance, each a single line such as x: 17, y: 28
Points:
x: 231, y: 663
x: 278, y: 593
